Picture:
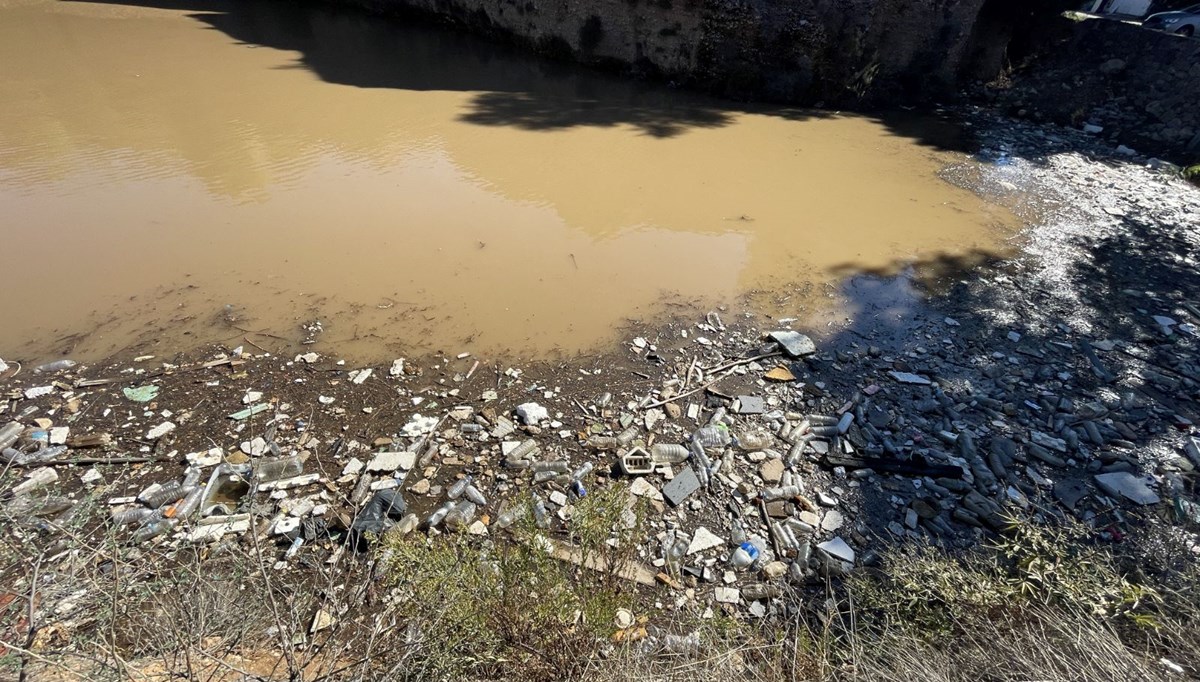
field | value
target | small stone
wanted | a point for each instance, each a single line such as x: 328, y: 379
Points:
x: 727, y: 595
x: 780, y: 373
x: 309, y: 358
x: 160, y: 431
x: 833, y: 520
x: 354, y: 466
x: 910, y: 378
x: 321, y: 621
x: 771, y: 470
x: 477, y: 527
x: 643, y: 488
x: 397, y: 367
x: 38, y: 391
x: 58, y: 435
x: 673, y: 410
x: 704, y: 539
x: 90, y: 476
x: 421, y: 487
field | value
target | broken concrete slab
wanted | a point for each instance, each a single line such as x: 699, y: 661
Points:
x: 704, y: 539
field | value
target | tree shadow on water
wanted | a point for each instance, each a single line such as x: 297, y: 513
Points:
x: 511, y: 87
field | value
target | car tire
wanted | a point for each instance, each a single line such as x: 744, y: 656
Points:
x: 1186, y: 31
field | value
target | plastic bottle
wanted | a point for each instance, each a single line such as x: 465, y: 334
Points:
x: 188, y: 505
x: 543, y: 476
x: 737, y: 533
x: 582, y: 471
x: 9, y: 434
x: 525, y: 449
x: 557, y: 466
x: 462, y: 514
x: 668, y: 453
x: 744, y: 556
x: 276, y: 468
x: 165, y: 495
x: 711, y: 436
x: 578, y: 489
x: 44, y: 454
x: 436, y: 517
x: 294, y: 548
x: 473, y: 494
x: 511, y: 513
x: 676, y: 549
x: 459, y: 487
x: 191, y: 477
x: 153, y: 529
x: 627, y: 436
x: 780, y: 493
x: 124, y: 517
x: 602, y: 443
x: 55, y: 366
x: 540, y: 516
x: 754, y: 440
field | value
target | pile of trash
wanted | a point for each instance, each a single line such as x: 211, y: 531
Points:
x: 767, y: 463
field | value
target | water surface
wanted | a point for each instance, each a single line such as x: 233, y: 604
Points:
x: 180, y: 172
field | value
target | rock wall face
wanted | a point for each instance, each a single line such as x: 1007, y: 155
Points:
x: 801, y: 51
x: 1141, y: 87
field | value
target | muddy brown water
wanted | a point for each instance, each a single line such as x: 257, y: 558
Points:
x: 175, y: 173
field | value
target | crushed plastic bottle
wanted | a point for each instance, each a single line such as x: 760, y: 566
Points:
x: 56, y: 366
x: 276, y: 468
x: 602, y: 443
x: 558, y: 466
x: 582, y: 471
x: 751, y: 441
x: 627, y: 436
x: 540, y: 516
x: 188, y: 505
x: 674, y: 550
x: 124, y: 517
x: 511, y: 513
x: 780, y: 493
x: 711, y: 436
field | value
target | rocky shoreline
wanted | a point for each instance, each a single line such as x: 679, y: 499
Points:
x: 1059, y: 384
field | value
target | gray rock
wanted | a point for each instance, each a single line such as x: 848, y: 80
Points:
x: 1125, y: 484
x: 681, y: 487
x: 750, y: 404
x: 837, y: 549
x: 910, y: 378
x: 794, y: 344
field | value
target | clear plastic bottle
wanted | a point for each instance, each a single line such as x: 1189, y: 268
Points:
x: 511, y: 514
x: 668, y: 453
x: 524, y: 450
x: 627, y: 436
x: 582, y: 471
x: 602, y: 443
x: 540, y: 516
x: 438, y: 515
x: 9, y: 434
x: 711, y: 436
x: 543, y: 476
x: 188, y: 505
x: 165, y: 495
x: 558, y: 466
x: 780, y: 493
x: 459, y: 487
x: 473, y: 494
x: 460, y: 516
x: 744, y: 556
x: 124, y: 517
x: 676, y: 549
x: 153, y: 529
x: 56, y: 366
x: 276, y: 468
x: 754, y: 440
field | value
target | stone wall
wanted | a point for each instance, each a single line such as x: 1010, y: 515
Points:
x: 1142, y: 88
x: 802, y: 51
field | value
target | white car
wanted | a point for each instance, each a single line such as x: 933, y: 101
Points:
x: 1184, y: 22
